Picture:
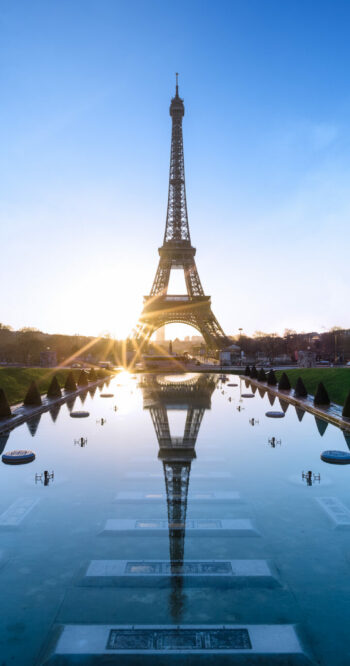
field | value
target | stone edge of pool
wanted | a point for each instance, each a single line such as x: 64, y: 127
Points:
x: 22, y: 413
x: 332, y: 414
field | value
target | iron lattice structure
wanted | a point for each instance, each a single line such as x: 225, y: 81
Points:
x: 177, y: 252
x: 177, y: 453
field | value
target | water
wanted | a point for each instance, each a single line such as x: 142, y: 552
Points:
x: 246, y: 502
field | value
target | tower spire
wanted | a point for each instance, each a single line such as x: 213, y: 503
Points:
x: 177, y: 84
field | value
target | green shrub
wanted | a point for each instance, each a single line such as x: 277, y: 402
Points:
x: 346, y: 408
x: 284, y: 383
x: 300, y: 389
x: 321, y: 395
x: 33, y: 396
x: 247, y: 371
x: 262, y: 375
x: 54, y: 390
x: 83, y: 379
x: 101, y: 373
x: 5, y: 410
x: 271, y: 378
x: 254, y: 372
x: 70, y: 384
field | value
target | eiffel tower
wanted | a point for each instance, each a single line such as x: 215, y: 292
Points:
x: 177, y: 252
x: 176, y: 454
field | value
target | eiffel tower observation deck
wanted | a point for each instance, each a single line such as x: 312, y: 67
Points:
x: 177, y: 252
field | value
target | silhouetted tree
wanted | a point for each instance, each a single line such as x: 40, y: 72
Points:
x: 271, y: 378
x: 92, y: 375
x: 54, y: 390
x: 5, y: 409
x: 83, y: 378
x: 321, y: 395
x: 262, y: 375
x: 300, y: 389
x: 284, y: 383
x: 247, y: 371
x: 33, y: 396
x: 253, y: 372
x: 346, y: 408
x: 70, y: 384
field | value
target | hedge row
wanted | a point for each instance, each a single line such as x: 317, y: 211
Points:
x: 321, y: 397
x: 33, y: 396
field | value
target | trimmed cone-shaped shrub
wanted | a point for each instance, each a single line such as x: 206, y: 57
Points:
x: 101, y: 373
x: 54, y: 390
x: 300, y: 389
x: 33, y: 396
x: 284, y: 383
x: 271, y: 378
x: 321, y: 395
x: 83, y: 379
x: 262, y: 375
x: 247, y: 371
x: 346, y: 408
x: 92, y: 375
x: 253, y: 372
x: 5, y: 410
x: 70, y: 384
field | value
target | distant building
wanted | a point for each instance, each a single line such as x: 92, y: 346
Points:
x: 230, y: 356
x: 48, y: 358
x: 306, y: 359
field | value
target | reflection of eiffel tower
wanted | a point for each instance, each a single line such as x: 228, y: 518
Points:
x: 177, y: 453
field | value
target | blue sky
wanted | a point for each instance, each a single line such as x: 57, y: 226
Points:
x: 85, y: 136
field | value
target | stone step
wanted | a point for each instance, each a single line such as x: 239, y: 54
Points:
x: 207, y: 496
x: 228, y: 573
x: 250, y: 644
x: 195, y: 527
x: 17, y: 511
x: 336, y: 511
x: 194, y: 475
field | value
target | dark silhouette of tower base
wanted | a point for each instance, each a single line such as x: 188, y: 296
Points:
x: 177, y: 252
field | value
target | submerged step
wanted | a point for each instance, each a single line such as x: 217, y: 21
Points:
x: 195, y: 527
x: 194, y: 572
x: 194, y: 475
x: 220, y: 496
x: 273, y: 641
x: 14, y: 515
x: 336, y: 510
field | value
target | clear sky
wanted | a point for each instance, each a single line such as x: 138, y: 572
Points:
x: 85, y: 141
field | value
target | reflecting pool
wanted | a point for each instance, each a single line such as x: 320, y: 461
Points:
x: 176, y: 524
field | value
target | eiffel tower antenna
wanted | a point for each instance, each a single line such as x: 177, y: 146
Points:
x: 177, y: 252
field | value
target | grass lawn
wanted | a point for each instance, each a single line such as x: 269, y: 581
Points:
x: 15, y: 381
x: 336, y: 380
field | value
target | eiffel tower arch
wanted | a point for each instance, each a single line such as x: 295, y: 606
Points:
x: 177, y: 253
x: 176, y: 454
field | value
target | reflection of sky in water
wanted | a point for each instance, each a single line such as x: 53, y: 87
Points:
x: 46, y: 555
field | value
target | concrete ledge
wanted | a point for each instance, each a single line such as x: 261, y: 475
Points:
x: 193, y: 573
x: 198, y: 527
x: 332, y: 414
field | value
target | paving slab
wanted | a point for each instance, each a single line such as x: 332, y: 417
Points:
x: 17, y: 511
x: 242, y: 641
x: 336, y: 511
x: 207, y: 496
x: 229, y: 573
x: 195, y: 527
